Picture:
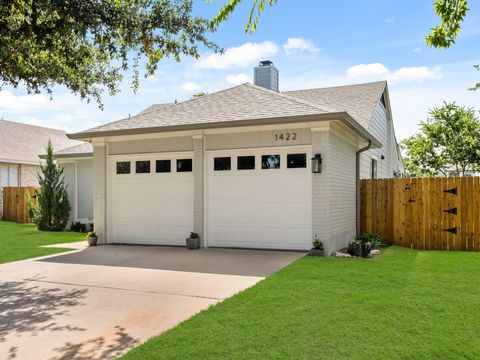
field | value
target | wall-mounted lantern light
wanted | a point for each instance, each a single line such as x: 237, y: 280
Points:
x: 317, y: 164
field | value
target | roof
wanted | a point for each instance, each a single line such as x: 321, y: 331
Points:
x: 22, y: 143
x: 359, y: 100
x: 249, y: 104
x: 84, y: 149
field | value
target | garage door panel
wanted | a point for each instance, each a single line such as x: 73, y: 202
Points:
x: 153, y: 208
x: 264, y: 208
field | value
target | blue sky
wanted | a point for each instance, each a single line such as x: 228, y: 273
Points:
x: 313, y: 43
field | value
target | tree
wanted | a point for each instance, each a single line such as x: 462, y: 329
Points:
x: 85, y: 45
x: 199, y: 94
x: 452, y: 13
x: 448, y: 140
x: 53, y: 209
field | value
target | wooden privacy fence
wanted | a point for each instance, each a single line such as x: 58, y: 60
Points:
x: 423, y: 213
x: 14, y: 206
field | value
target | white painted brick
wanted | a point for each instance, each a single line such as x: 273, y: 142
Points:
x: 100, y: 192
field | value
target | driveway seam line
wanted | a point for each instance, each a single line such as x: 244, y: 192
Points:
x: 122, y: 289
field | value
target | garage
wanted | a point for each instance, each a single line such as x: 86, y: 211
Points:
x: 150, y: 198
x: 260, y: 198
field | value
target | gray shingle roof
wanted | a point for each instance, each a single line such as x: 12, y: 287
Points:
x: 250, y: 102
x: 358, y: 100
x: 22, y: 143
x: 83, y: 149
x: 243, y: 102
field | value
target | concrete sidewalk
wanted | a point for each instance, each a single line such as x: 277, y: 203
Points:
x: 99, y: 302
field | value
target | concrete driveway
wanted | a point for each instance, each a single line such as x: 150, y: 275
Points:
x: 97, y: 303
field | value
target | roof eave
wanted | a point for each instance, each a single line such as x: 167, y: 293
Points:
x: 63, y: 156
x: 343, y: 116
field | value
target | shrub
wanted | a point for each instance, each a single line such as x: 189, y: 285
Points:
x: 53, y: 208
x: 363, y: 244
x: 91, y: 234
x: 77, y: 226
x: 317, y: 244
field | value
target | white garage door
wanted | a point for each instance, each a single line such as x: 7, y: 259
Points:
x: 260, y: 199
x: 150, y: 199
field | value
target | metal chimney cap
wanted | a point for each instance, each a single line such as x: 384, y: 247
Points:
x: 265, y: 63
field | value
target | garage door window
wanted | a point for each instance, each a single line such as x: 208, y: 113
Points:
x: 123, y: 167
x: 184, y: 165
x: 270, y: 161
x: 222, y: 163
x: 245, y: 162
x: 142, y: 167
x: 295, y: 161
x: 163, y: 166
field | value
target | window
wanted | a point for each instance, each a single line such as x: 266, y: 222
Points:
x: 142, y: 167
x: 374, y: 169
x: 163, y: 166
x: 296, y: 161
x: 123, y: 167
x: 270, y: 161
x: 222, y: 163
x: 245, y: 162
x: 184, y: 165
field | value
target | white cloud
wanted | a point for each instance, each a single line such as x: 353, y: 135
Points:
x: 417, y: 50
x: 240, y: 56
x: 191, y: 86
x: 389, y: 20
x: 294, y: 45
x: 404, y: 74
x: 20, y: 104
x: 236, y: 79
x: 367, y: 70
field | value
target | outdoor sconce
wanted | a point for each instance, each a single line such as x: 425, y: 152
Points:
x: 317, y: 164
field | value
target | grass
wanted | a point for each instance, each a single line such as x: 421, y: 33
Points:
x: 404, y: 304
x: 22, y: 241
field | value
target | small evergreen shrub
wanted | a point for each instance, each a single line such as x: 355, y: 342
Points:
x: 53, y: 210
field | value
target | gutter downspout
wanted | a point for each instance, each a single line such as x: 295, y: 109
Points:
x: 357, y: 182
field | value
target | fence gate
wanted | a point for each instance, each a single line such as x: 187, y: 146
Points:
x: 424, y: 213
x: 14, y: 206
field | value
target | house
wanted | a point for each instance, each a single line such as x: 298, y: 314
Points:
x: 20, y: 146
x: 245, y: 167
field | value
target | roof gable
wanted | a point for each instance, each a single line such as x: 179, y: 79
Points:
x: 359, y: 100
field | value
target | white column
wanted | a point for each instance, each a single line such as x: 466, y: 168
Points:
x: 100, y: 191
x: 198, y: 183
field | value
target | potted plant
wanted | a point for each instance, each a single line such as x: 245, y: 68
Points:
x: 193, y: 241
x: 92, y: 238
x: 317, y: 249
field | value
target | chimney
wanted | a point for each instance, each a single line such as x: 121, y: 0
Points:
x: 266, y: 75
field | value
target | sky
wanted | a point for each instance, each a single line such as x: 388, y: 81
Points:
x: 313, y: 43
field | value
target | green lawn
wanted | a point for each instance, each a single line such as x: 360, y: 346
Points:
x: 22, y: 241
x: 404, y: 304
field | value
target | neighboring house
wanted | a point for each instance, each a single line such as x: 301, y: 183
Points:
x: 20, y: 146
x: 77, y: 164
x: 236, y: 166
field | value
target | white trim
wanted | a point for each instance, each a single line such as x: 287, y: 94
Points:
x: 151, y: 154
x: 259, y: 148
x: 76, y: 192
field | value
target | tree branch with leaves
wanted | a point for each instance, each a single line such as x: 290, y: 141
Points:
x: 86, y: 45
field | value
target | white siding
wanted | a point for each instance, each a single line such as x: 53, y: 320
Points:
x: 382, y: 128
x: 85, y: 189
x: 341, y: 192
x: 69, y: 175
